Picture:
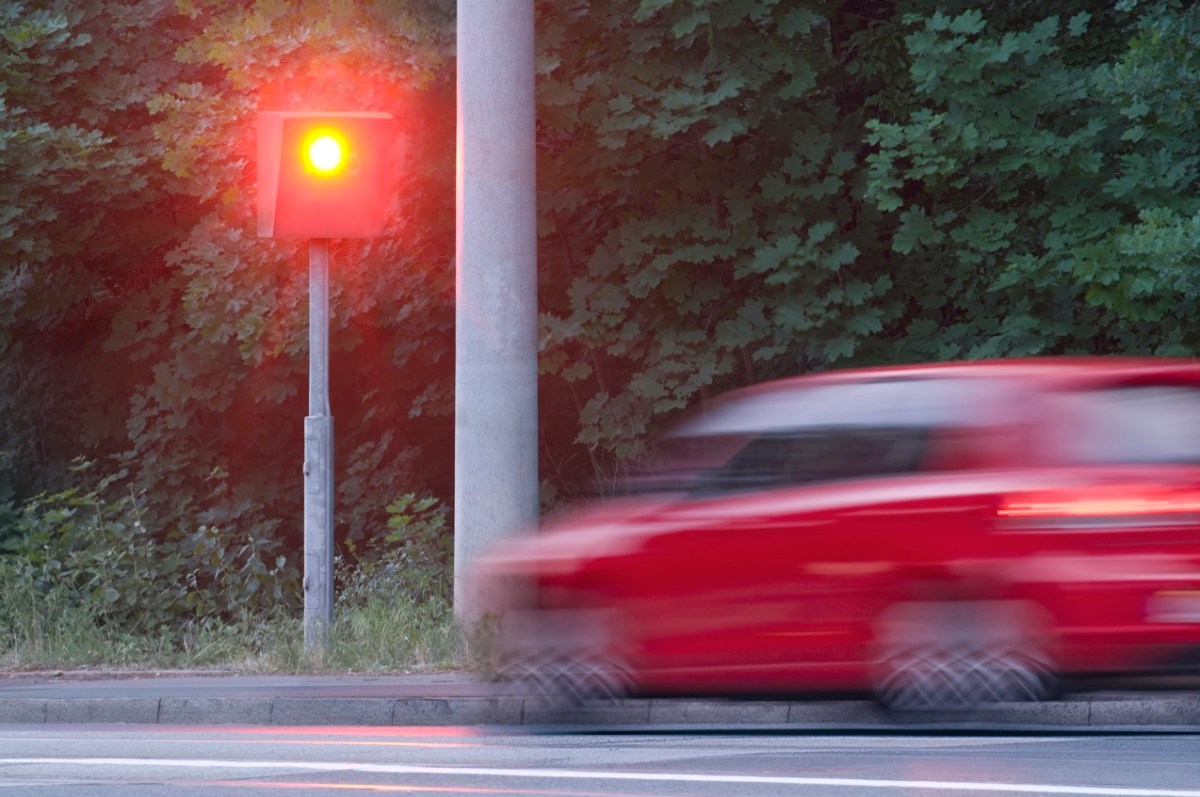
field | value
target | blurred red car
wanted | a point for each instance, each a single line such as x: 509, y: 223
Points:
x: 941, y: 535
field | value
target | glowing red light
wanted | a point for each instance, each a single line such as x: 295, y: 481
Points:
x: 1110, y: 501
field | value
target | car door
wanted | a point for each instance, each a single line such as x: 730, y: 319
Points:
x: 770, y: 571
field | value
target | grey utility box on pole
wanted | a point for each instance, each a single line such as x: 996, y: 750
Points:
x: 495, y: 440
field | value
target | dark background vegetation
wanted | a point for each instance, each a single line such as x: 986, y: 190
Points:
x: 730, y: 191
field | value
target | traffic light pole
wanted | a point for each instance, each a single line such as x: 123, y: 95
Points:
x: 322, y: 175
x: 318, y: 458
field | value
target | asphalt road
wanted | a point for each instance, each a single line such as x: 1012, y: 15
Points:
x: 186, y: 761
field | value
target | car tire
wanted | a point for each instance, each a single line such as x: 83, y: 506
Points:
x: 569, y: 680
x: 946, y: 656
x: 566, y: 658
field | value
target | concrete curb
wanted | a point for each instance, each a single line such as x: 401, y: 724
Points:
x: 1174, y: 713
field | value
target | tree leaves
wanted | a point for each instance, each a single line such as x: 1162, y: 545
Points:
x: 991, y: 148
x: 77, y: 237
x: 230, y: 393
x: 729, y: 191
x: 1016, y: 169
x: 142, y: 317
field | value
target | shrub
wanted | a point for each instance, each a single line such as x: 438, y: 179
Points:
x: 86, y: 552
x: 90, y: 547
x: 84, y: 582
x: 413, y: 563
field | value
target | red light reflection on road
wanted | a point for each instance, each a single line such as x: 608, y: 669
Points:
x: 291, y: 785
x: 459, y: 731
x: 368, y: 736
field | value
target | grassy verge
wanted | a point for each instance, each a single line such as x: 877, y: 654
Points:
x: 376, y: 636
x: 84, y: 583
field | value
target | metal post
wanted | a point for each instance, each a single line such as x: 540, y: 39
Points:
x: 495, y: 441
x: 318, y: 458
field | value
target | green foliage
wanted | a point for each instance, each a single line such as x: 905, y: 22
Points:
x: 1042, y: 206
x: 88, y: 584
x: 79, y: 548
x: 700, y: 224
x: 142, y: 320
x: 228, y: 574
x: 769, y: 188
x: 228, y: 393
x: 94, y: 552
x: 388, y: 634
x: 729, y: 192
x: 42, y: 619
x: 50, y: 629
x: 412, y: 563
x: 84, y: 218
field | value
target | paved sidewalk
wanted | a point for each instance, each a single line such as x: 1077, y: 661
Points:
x: 456, y: 699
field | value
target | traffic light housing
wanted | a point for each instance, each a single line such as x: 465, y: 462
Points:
x: 324, y: 174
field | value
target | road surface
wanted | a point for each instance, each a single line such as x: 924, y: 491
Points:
x: 302, y: 761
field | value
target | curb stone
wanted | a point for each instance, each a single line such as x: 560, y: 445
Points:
x: 1174, y: 713
x: 414, y: 700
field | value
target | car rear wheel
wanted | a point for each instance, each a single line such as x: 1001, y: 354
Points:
x: 566, y: 657
x: 569, y: 679
x: 959, y: 655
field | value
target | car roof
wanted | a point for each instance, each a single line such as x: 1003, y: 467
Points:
x: 915, y: 395
x: 1057, y: 371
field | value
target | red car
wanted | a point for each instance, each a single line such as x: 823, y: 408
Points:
x: 941, y: 535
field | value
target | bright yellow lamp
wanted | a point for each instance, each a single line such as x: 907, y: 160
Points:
x: 324, y: 152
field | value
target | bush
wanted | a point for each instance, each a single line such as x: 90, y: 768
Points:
x: 413, y: 563
x: 84, y: 582
x: 89, y: 548
x: 231, y: 575
x: 84, y: 552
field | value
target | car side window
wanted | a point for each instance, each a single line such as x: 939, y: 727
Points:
x: 814, y: 455
x: 824, y: 433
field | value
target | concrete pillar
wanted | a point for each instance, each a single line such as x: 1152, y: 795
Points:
x: 495, y: 442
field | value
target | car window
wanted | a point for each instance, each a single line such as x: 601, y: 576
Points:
x: 817, y: 455
x: 817, y: 433
x: 1135, y: 424
x: 678, y: 462
x: 885, y: 402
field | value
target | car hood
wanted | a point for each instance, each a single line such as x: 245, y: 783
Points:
x: 599, y: 530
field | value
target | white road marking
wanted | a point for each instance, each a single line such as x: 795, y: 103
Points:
x: 590, y: 774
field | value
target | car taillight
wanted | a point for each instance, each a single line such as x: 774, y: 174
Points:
x: 1103, y: 506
